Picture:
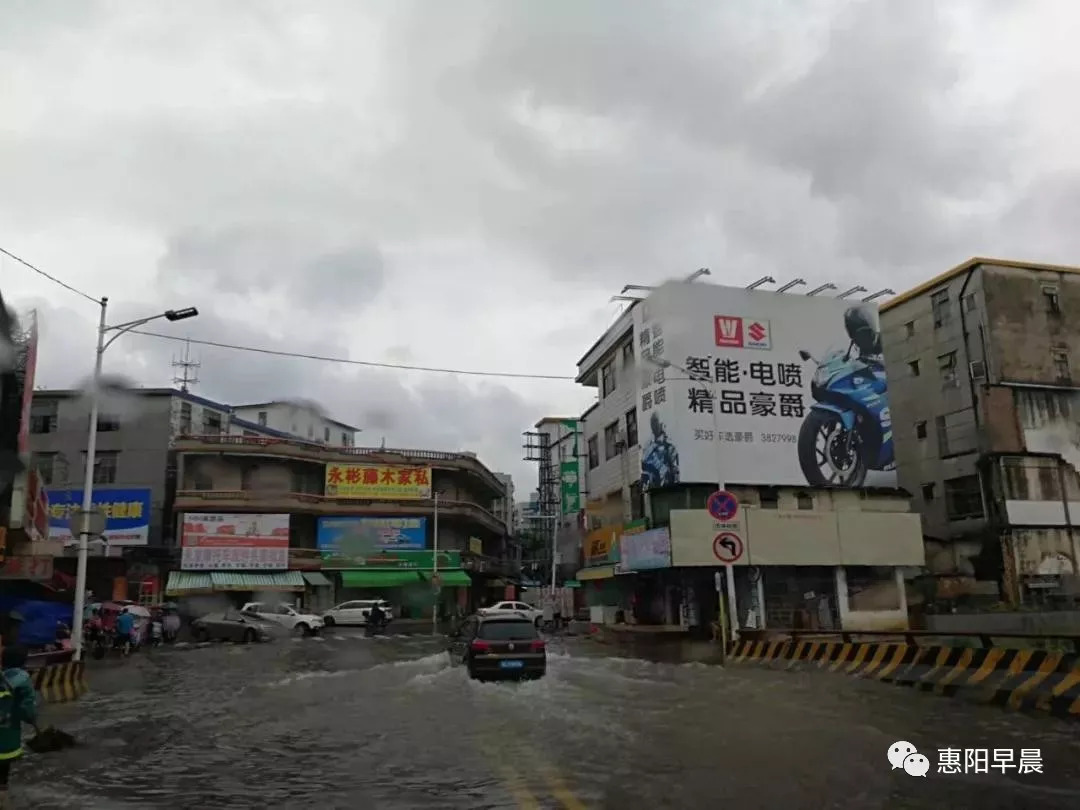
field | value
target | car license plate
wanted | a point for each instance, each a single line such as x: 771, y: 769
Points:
x: 511, y: 664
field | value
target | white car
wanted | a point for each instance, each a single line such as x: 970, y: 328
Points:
x: 356, y: 612
x: 287, y: 616
x: 533, y: 614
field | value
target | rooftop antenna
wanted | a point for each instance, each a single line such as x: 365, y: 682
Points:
x: 760, y: 281
x: 701, y: 271
x: 189, y: 369
x: 795, y: 282
x: 822, y: 288
x: 879, y: 293
x: 856, y: 289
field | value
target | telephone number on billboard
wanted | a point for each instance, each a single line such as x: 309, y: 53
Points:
x: 745, y: 436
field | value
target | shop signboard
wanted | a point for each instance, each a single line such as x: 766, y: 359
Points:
x: 601, y: 546
x: 397, y: 560
x: 391, y: 482
x: 126, y: 511
x: 570, y: 474
x: 223, y: 542
x: 645, y: 551
x: 354, y: 535
x: 724, y: 388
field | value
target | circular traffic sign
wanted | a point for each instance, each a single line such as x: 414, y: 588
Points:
x: 728, y: 547
x: 722, y: 505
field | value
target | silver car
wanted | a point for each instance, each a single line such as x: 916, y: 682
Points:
x: 231, y: 626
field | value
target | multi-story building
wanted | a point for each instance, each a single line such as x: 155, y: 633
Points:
x: 556, y: 445
x: 983, y: 364
x: 305, y: 420
x: 704, y: 388
x: 339, y: 522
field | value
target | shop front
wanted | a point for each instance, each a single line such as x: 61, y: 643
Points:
x: 644, y: 569
x: 409, y: 580
x: 606, y: 596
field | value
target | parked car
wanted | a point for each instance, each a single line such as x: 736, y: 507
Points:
x: 287, y: 616
x: 356, y: 612
x: 231, y: 625
x: 533, y: 614
x: 499, y: 647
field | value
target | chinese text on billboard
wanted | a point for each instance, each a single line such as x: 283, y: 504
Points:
x: 372, y: 481
x: 127, y: 514
x: 219, y: 542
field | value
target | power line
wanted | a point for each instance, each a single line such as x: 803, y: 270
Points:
x: 49, y: 276
x: 351, y: 362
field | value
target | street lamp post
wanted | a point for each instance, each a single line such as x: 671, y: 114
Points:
x: 435, y: 568
x: 91, y: 449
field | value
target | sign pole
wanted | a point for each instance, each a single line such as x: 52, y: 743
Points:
x: 721, y: 618
x: 435, y: 567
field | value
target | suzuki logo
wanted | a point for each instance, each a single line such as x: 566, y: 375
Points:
x: 757, y: 331
x: 511, y: 647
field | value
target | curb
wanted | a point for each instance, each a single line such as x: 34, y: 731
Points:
x: 1020, y: 680
x: 60, y: 683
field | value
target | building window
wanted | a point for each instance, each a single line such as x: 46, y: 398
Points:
x: 941, y: 428
x: 107, y: 424
x: 611, y: 440
x: 344, y: 439
x: 947, y: 369
x: 928, y: 492
x: 45, y: 463
x: 1053, y: 301
x: 637, y: 501
x: 913, y: 365
x: 262, y: 418
x: 211, y: 423
x: 105, y: 467
x: 1061, y: 364
x: 939, y: 301
x: 607, y: 378
x: 594, y: 452
x: 920, y: 430
x: 963, y: 500
x: 804, y: 500
x: 628, y: 355
x: 631, y: 428
x: 326, y: 435
x: 769, y: 499
x: 909, y: 329
x: 969, y: 302
x: 43, y: 417
x: 185, y: 418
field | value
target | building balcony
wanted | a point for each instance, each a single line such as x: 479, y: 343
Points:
x: 301, y: 450
x: 211, y: 500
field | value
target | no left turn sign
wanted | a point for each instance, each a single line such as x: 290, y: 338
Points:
x: 727, y: 547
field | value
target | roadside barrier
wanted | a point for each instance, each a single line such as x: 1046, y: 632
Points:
x: 58, y: 680
x: 1020, y: 679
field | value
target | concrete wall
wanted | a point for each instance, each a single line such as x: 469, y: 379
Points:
x: 1064, y: 622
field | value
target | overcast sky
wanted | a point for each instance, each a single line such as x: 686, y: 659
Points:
x: 466, y: 184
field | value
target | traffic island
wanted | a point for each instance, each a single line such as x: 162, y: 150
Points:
x: 56, y: 677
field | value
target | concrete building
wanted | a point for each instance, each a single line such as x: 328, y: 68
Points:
x: 304, y: 420
x: 360, y: 522
x: 556, y: 446
x: 983, y: 365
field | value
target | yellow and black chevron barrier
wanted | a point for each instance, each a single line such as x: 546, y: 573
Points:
x: 1027, y: 680
x: 59, y: 683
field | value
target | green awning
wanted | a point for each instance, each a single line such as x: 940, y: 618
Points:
x: 315, y: 579
x: 452, y: 578
x: 380, y: 579
x: 185, y: 582
x: 277, y: 581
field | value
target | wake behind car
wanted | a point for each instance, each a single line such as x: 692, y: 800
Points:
x: 305, y: 624
x: 231, y: 626
x: 499, y: 647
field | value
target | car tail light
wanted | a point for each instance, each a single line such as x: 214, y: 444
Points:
x: 480, y: 646
x: 537, y: 646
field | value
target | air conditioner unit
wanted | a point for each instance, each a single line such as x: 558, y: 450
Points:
x: 977, y: 369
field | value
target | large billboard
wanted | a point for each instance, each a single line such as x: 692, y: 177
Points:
x: 127, y: 514
x: 378, y: 482
x: 216, y: 542
x: 355, y: 536
x: 752, y: 387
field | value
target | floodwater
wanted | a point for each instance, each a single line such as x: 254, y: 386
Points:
x: 349, y: 721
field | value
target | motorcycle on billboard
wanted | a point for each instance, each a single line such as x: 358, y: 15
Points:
x: 848, y: 429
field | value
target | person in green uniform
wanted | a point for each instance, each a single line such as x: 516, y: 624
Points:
x: 18, y: 705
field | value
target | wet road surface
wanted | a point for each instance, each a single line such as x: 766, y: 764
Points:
x: 355, y: 722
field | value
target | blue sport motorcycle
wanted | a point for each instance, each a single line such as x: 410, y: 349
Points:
x: 848, y: 429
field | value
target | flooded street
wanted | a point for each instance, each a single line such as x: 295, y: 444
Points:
x: 349, y: 721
